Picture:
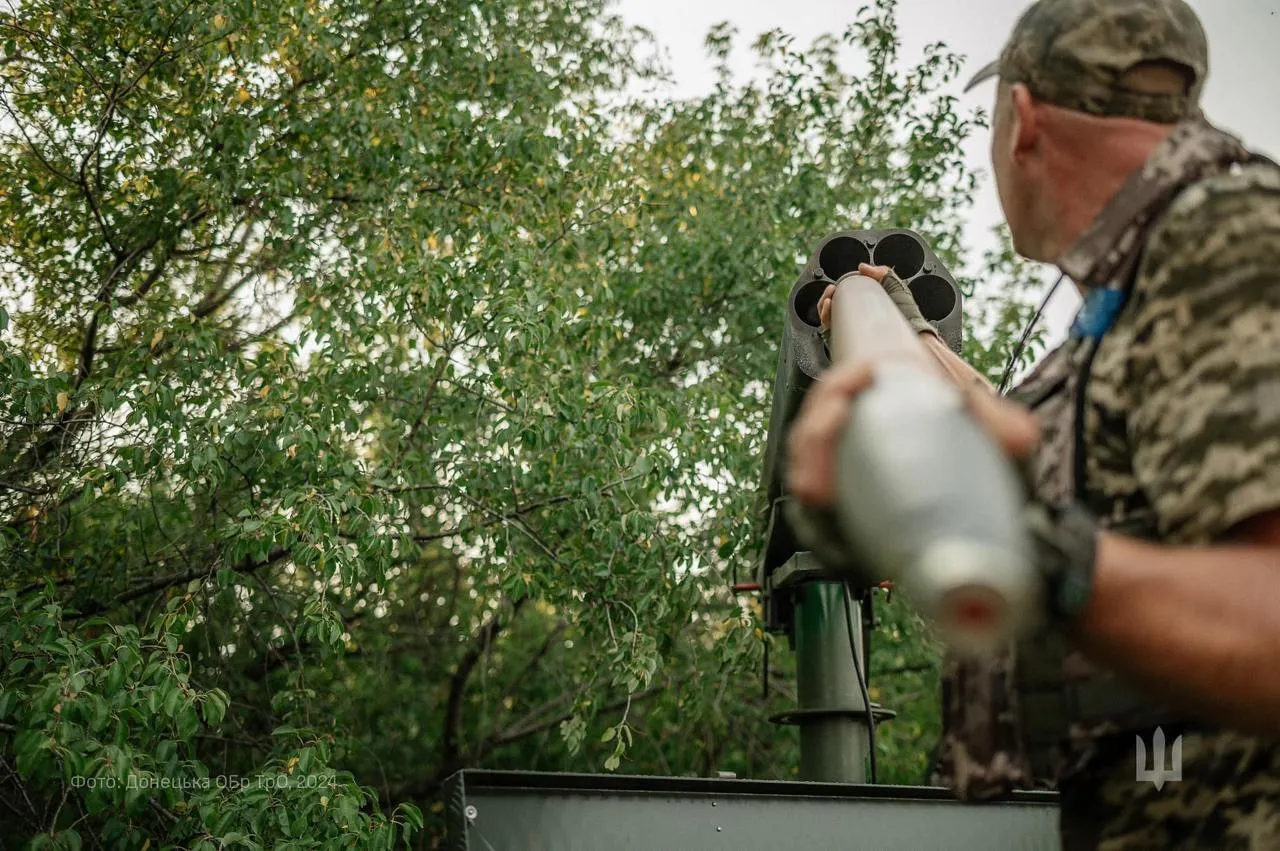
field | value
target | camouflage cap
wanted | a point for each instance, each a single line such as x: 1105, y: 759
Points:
x: 1074, y: 54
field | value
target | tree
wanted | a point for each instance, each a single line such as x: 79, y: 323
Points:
x: 384, y: 393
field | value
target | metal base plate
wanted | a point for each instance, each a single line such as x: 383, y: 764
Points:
x: 518, y: 811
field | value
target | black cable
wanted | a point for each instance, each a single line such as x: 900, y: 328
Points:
x: 1026, y: 335
x: 932, y: 767
x: 862, y: 681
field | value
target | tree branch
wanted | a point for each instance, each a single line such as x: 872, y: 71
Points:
x: 450, y: 748
x: 163, y: 582
x: 280, y: 658
x: 918, y: 668
x: 496, y: 519
x: 22, y: 489
x: 427, y: 788
x: 161, y: 263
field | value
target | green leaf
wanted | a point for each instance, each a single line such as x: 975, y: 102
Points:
x: 188, y: 722
x: 412, y: 815
x: 346, y: 807
x: 214, y: 709
x: 115, y: 678
x: 173, y: 698
x: 101, y: 713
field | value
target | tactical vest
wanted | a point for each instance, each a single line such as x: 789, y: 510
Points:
x: 1028, y: 718
x: 1057, y: 688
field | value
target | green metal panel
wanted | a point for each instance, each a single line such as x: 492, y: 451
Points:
x: 516, y: 811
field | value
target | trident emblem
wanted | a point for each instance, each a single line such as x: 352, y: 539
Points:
x: 1159, y: 773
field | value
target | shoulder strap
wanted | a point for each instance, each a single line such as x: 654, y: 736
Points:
x: 1125, y: 280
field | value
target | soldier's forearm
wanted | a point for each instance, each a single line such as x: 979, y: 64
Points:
x: 1198, y: 626
x: 954, y: 366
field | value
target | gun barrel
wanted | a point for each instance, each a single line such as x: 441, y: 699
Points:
x: 929, y: 498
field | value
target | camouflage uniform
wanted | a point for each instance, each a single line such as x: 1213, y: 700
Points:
x: 1178, y: 397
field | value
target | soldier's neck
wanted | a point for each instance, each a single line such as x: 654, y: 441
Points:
x: 1089, y: 171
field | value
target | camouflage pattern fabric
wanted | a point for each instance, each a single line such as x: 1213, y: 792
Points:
x: 1182, y: 441
x: 1075, y: 53
x: 1203, y: 382
x: 1227, y: 799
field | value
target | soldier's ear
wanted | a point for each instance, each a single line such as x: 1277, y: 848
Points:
x: 1025, y: 115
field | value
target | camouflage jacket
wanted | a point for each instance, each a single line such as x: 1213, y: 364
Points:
x: 1180, y: 441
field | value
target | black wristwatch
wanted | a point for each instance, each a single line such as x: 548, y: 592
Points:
x: 1065, y: 541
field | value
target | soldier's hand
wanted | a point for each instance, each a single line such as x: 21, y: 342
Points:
x: 815, y: 434
x: 824, y: 308
x: 897, y: 290
x: 875, y: 273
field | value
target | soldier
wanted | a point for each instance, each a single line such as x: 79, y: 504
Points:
x: 1151, y: 440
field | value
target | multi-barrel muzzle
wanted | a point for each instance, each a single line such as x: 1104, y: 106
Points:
x: 935, y: 291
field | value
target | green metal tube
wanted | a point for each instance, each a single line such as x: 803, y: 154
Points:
x: 833, y: 721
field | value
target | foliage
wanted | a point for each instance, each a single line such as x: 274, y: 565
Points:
x: 1002, y: 315
x: 383, y: 392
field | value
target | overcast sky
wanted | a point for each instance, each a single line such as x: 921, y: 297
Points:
x: 1241, y: 96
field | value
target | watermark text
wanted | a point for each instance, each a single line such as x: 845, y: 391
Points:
x: 220, y: 781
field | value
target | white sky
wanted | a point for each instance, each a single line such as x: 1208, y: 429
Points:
x: 1244, y: 43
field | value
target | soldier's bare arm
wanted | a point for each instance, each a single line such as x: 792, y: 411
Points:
x: 1207, y: 632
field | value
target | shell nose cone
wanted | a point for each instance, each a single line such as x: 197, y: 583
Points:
x: 980, y: 596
